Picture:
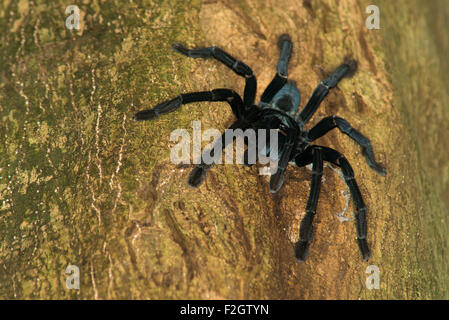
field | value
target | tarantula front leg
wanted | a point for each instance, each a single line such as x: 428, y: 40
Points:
x: 346, y: 69
x: 314, y: 155
x: 280, y: 79
x: 227, y: 95
x: 238, y: 67
x: 329, y: 123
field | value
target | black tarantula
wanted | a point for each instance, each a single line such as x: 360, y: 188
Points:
x: 278, y: 110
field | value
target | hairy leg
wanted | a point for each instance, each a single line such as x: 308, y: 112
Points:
x: 329, y: 123
x: 227, y: 95
x: 198, y: 174
x: 338, y: 159
x: 238, y: 67
x: 280, y: 79
x: 346, y: 69
x: 277, y: 180
x: 314, y: 155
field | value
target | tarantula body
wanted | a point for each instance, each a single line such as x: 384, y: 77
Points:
x: 278, y: 109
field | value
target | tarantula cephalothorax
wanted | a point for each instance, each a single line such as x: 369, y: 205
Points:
x: 278, y: 110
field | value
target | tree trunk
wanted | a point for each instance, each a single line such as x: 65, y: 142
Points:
x: 83, y: 184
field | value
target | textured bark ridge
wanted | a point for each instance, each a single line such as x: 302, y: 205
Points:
x: 83, y: 184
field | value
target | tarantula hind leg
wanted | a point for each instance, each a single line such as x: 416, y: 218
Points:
x: 277, y: 180
x: 338, y: 159
x: 314, y: 155
x: 198, y: 174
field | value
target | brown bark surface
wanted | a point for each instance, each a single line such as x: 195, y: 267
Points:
x: 83, y: 184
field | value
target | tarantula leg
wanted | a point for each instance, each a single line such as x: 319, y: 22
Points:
x: 277, y: 180
x: 286, y: 46
x: 338, y: 159
x: 280, y: 79
x: 160, y: 109
x: 235, y: 65
x: 306, y: 228
x: 346, y: 69
x: 215, y: 52
x: 198, y: 174
x: 227, y: 95
x: 275, y: 85
x: 329, y: 123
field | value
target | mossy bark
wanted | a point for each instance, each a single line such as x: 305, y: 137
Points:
x: 82, y: 184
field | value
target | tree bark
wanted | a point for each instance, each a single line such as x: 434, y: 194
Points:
x: 83, y: 184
